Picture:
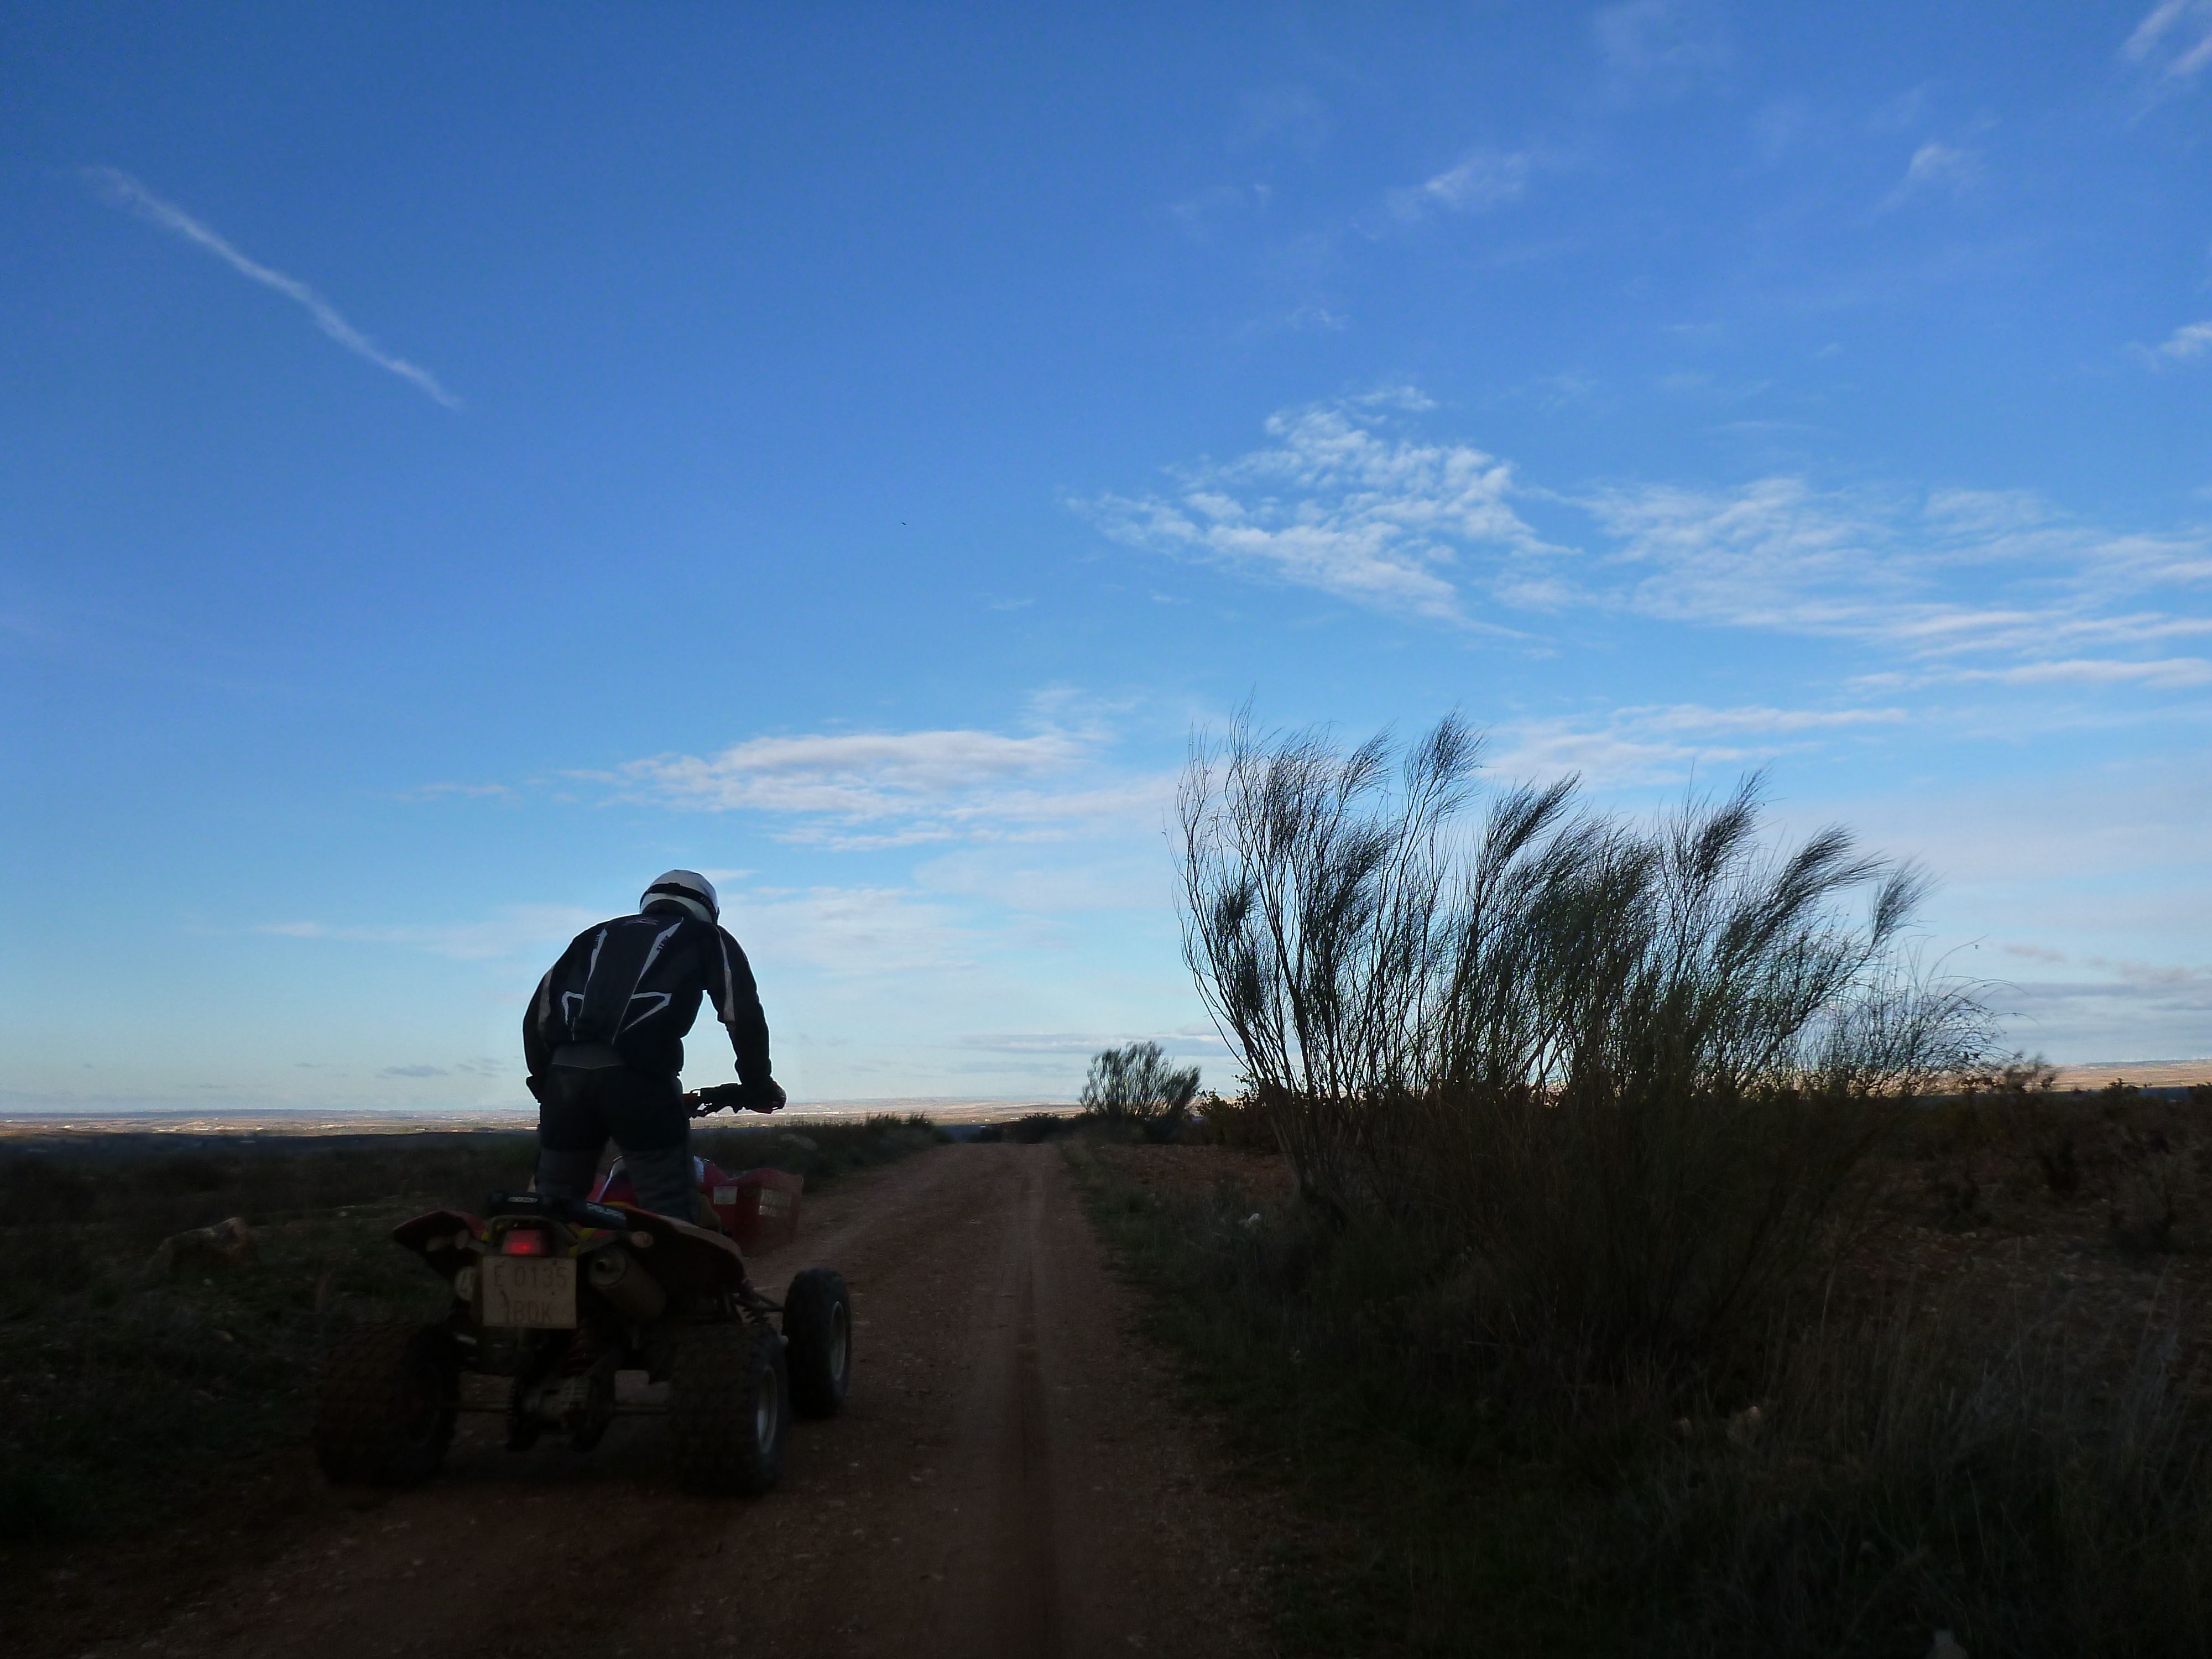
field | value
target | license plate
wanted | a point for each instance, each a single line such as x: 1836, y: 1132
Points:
x: 529, y: 1294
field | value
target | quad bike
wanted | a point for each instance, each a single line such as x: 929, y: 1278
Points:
x: 557, y: 1295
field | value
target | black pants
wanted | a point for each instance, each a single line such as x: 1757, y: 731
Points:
x: 578, y: 1110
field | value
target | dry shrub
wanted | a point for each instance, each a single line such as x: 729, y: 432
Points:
x: 1621, y: 1074
x: 2043, y: 1496
x: 2034, y: 1484
x: 1239, y: 1122
x: 1133, y: 1086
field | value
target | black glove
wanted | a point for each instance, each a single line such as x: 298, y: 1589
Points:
x: 766, y: 1095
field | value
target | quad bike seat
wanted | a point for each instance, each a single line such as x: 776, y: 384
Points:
x: 576, y: 1212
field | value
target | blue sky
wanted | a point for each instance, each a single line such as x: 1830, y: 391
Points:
x: 464, y: 459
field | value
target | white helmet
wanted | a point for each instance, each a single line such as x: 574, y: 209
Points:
x: 686, y: 888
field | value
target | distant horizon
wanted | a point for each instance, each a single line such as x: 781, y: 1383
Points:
x: 2082, y: 1076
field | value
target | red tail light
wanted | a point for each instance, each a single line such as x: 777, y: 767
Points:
x: 526, y: 1241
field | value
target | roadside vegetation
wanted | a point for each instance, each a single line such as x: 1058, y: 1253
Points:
x: 1651, y: 1257
x: 1134, y: 1088
x: 138, y: 1384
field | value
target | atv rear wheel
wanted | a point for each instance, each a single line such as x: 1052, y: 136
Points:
x: 728, y: 1409
x: 818, y: 1328
x: 383, y: 1411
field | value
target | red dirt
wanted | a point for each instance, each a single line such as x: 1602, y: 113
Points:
x: 1009, y: 1478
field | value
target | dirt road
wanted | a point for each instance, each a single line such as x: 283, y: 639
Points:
x: 1007, y: 1479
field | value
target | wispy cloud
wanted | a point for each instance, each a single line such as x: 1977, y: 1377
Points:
x: 2184, y: 345
x: 1886, y: 568
x: 1342, y: 504
x: 2173, y: 42
x: 2164, y: 1007
x: 1483, y: 179
x: 1187, y: 1040
x: 1665, y: 744
x: 516, y: 930
x: 1661, y: 47
x: 1937, y: 167
x: 428, y: 792
x: 852, y: 931
x: 1289, y: 114
x: 125, y: 190
x: 1201, y: 213
x: 866, y: 791
x: 2166, y: 673
x: 1349, y: 502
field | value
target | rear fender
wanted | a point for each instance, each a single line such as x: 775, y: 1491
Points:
x: 445, y: 1239
x: 686, y: 1260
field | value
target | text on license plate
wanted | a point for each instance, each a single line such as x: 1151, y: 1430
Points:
x: 531, y: 1294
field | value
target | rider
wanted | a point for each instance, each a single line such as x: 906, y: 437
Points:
x: 603, y: 1040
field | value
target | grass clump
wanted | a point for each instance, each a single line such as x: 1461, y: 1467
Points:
x: 820, y: 1151
x: 1857, y: 1481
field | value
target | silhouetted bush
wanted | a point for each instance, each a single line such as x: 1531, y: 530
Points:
x: 1613, y: 1078
x: 1134, y: 1085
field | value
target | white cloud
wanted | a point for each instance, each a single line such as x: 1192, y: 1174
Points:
x: 2187, y: 343
x: 1130, y: 877
x: 1663, y: 46
x: 1937, y: 166
x: 1182, y: 1042
x: 2173, y: 42
x: 850, y: 932
x: 518, y: 929
x: 126, y: 191
x: 1665, y: 744
x: 2162, y: 1010
x: 1199, y: 213
x: 1997, y: 583
x: 858, y: 775
x: 2167, y: 674
x: 1780, y: 555
x: 868, y: 791
x: 1339, y: 504
x: 1484, y: 179
x: 458, y: 791
x: 1292, y: 115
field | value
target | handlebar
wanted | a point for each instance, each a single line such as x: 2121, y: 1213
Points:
x: 737, y: 1096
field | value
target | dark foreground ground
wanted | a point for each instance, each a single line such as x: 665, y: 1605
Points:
x: 1994, y: 1420
x: 1009, y: 1478
x: 1992, y: 1415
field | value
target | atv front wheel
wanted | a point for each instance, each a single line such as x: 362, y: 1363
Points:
x: 728, y: 1399
x: 818, y: 1328
x: 383, y: 1412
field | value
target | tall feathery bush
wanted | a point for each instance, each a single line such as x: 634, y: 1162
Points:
x: 1616, y: 1075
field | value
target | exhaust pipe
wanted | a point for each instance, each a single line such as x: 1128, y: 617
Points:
x: 628, y: 1289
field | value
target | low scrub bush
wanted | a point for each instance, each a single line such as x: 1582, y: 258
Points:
x: 1869, y: 1480
x: 1240, y: 1123
x: 820, y: 1152
x: 1134, y: 1087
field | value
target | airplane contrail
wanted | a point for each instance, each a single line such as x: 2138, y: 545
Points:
x: 124, y: 191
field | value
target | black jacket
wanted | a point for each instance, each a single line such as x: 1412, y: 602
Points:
x: 633, y: 985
